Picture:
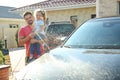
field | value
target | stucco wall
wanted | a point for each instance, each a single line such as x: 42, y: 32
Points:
x: 64, y: 15
x: 9, y: 33
x: 83, y: 14
x: 107, y: 8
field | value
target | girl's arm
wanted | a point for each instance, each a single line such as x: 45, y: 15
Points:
x: 41, y: 29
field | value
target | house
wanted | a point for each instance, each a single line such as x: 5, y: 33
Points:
x: 9, y: 24
x: 107, y: 8
x: 75, y: 11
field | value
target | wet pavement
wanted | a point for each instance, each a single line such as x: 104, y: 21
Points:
x: 17, y: 59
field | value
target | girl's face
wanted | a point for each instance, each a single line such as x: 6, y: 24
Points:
x: 39, y: 16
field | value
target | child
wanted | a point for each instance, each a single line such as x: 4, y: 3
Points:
x: 39, y: 33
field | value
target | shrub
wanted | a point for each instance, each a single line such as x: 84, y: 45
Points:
x: 1, y: 44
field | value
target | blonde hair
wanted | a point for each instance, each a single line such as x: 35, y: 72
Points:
x: 43, y: 12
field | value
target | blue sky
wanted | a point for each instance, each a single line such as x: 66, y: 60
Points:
x: 18, y: 3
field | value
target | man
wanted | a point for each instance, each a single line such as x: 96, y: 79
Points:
x: 25, y: 34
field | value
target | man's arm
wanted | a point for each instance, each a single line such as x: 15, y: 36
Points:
x: 22, y: 40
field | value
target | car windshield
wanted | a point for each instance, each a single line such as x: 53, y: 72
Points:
x: 60, y: 29
x: 100, y: 34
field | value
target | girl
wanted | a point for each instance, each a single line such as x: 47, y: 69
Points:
x: 39, y: 26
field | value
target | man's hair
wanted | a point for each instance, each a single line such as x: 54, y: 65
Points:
x: 27, y: 13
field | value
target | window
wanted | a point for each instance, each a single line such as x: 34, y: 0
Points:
x: 13, y: 26
x: 73, y: 18
x: 93, y: 15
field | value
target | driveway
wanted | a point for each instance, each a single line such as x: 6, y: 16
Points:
x: 17, y: 59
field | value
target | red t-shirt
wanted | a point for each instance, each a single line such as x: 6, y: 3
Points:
x: 25, y: 31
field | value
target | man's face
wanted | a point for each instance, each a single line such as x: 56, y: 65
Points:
x: 29, y: 19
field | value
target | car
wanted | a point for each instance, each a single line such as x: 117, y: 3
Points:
x: 60, y: 28
x: 57, y: 32
x: 91, y: 52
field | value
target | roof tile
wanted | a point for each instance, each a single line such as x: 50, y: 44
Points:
x: 58, y: 3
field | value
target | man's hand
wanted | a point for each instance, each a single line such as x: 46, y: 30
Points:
x: 31, y: 35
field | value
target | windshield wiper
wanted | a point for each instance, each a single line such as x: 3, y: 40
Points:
x: 67, y: 46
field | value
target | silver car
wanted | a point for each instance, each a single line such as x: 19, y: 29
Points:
x: 92, y: 52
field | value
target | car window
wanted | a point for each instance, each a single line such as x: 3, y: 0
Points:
x: 60, y: 29
x: 96, y: 34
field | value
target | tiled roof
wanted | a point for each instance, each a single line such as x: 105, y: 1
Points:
x: 4, y: 13
x: 56, y: 3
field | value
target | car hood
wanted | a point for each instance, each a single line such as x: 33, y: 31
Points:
x: 74, y: 64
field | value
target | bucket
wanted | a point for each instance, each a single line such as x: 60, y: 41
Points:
x: 4, y: 72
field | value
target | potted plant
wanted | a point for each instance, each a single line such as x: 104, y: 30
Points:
x: 3, y: 52
x: 4, y: 68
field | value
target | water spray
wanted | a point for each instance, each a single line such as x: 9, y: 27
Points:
x: 43, y: 41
